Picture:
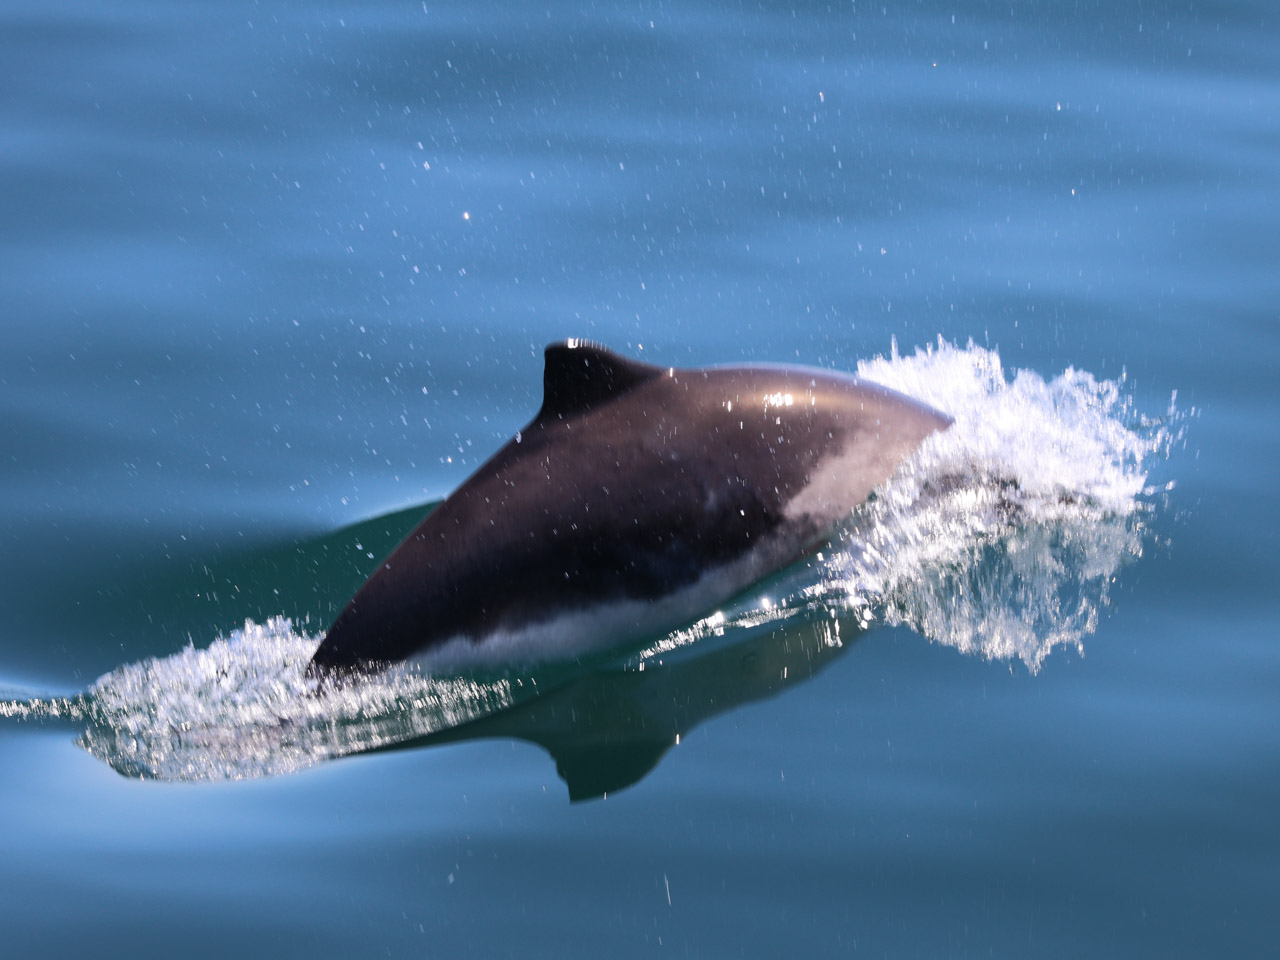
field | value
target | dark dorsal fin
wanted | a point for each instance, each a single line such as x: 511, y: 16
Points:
x: 580, y: 374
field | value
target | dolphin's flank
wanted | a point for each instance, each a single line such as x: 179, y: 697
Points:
x: 638, y: 498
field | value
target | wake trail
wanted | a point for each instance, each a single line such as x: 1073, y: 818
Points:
x: 1001, y: 537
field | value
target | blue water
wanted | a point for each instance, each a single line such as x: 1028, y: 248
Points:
x: 276, y: 276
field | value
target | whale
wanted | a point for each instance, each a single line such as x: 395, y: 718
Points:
x: 639, y: 498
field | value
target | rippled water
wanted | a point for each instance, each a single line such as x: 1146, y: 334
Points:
x: 277, y: 277
x: 999, y: 537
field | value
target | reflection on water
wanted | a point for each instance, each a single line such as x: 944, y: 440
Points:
x: 608, y: 729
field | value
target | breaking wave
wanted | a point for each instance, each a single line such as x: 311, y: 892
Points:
x: 1001, y: 537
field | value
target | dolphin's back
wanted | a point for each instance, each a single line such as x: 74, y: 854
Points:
x: 632, y: 486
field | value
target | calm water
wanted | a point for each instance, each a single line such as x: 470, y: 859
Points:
x: 275, y: 276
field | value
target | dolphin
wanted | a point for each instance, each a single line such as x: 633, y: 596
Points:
x: 639, y: 498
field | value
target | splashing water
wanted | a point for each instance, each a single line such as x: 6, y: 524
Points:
x: 1001, y: 537
x: 244, y: 707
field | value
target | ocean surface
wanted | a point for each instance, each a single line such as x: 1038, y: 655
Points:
x: 276, y: 277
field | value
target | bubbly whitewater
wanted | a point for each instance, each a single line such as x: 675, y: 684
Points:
x: 1000, y: 537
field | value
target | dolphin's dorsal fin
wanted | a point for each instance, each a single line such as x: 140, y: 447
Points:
x: 580, y: 375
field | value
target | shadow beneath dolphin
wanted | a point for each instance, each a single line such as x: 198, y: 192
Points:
x: 607, y: 730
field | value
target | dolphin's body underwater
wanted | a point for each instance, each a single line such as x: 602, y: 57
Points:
x: 639, y: 498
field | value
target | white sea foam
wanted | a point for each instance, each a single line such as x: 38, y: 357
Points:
x: 1004, y: 534
x: 244, y: 707
x: 1001, y: 537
